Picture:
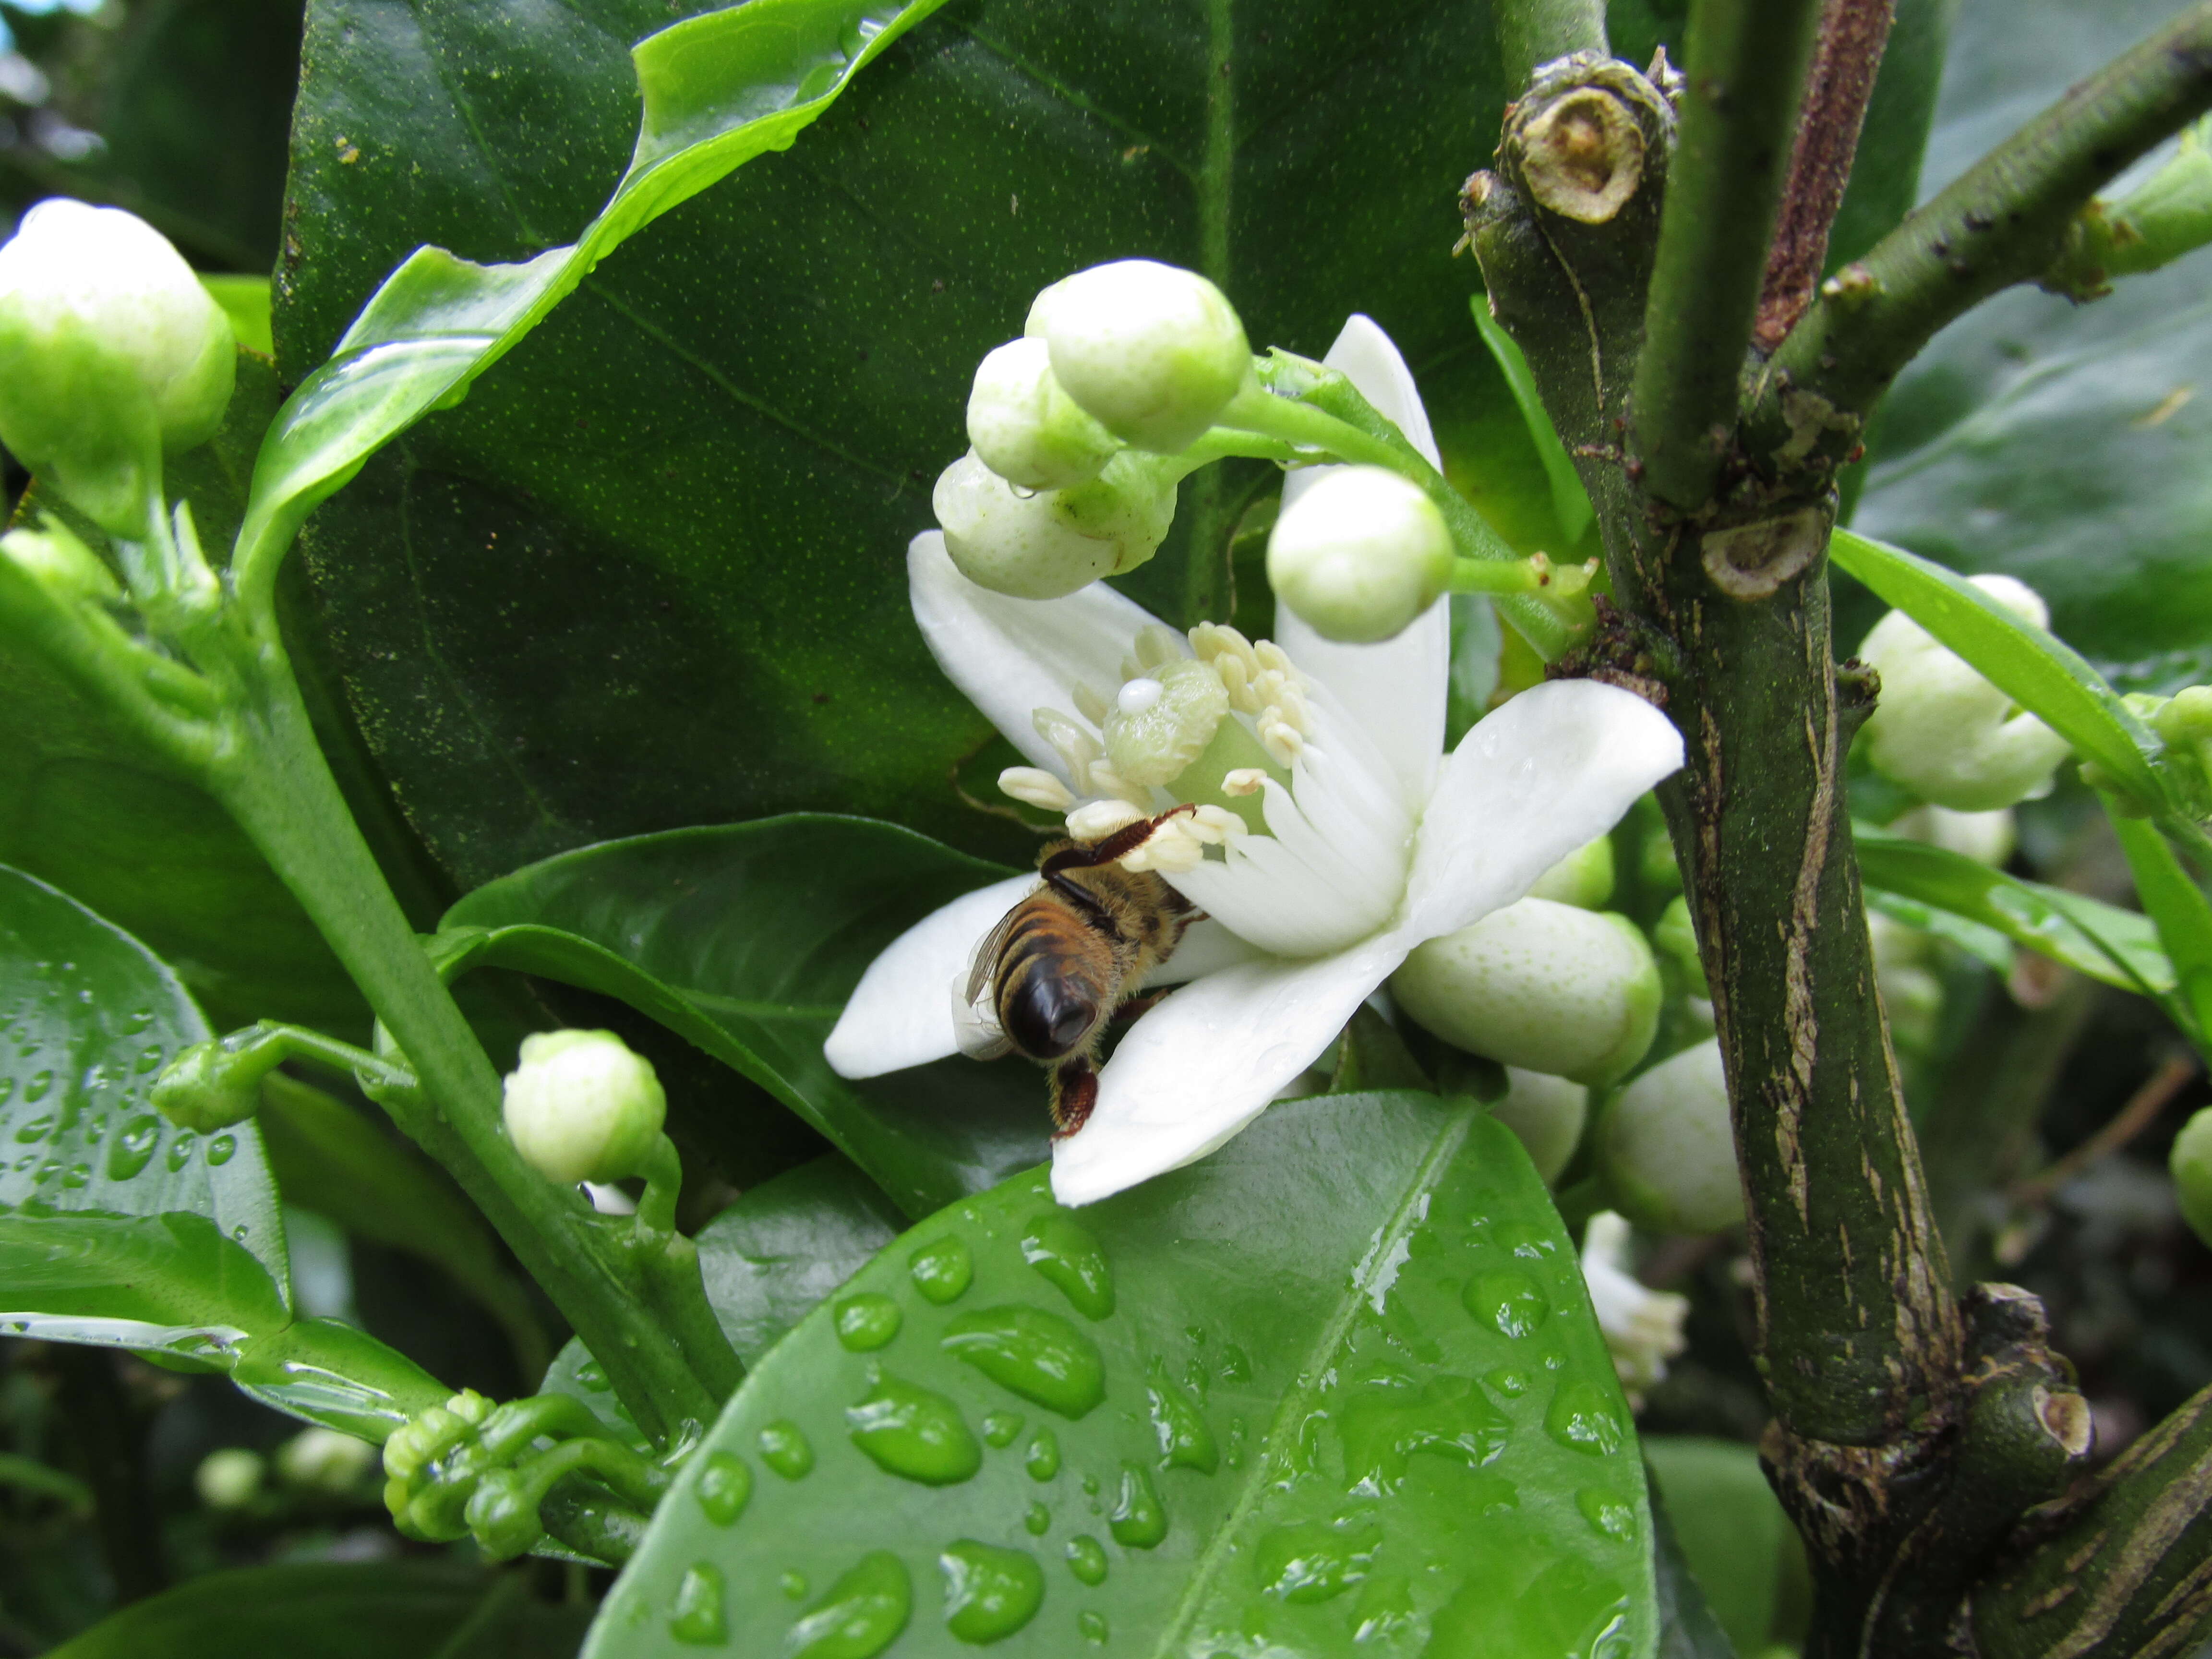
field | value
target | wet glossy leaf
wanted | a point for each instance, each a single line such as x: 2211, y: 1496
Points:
x: 2101, y: 940
x: 651, y: 573
x: 747, y: 941
x: 2181, y: 913
x: 1299, y: 1433
x: 1729, y: 1532
x: 319, y: 1610
x: 2058, y: 443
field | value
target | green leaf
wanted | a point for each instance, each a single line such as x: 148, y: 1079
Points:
x: 2177, y: 907
x: 1570, y: 502
x: 1170, y: 1422
x: 2101, y: 940
x: 322, y: 1610
x: 747, y: 939
x: 718, y: 90
x: 115, y: 1227
x: 2039, y: 672
x: 2059, y: 443
x: 90, y: 810
x: 691, y: 490
x: 1730, y: 1529
x: 246, y: 300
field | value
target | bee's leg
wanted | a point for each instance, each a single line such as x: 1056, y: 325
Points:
x: 1074, y: 1092
x: 1136, y: 1005
x: 1119, y: 845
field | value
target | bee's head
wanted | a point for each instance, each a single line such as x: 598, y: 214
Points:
x: 1048, y: 1016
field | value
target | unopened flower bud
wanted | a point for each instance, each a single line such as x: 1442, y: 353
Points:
x: 230, y: 1478
x: 1676, y: 939
x: 1985, y: 837
x: 582, y: 1107
x: 1025, y: 426
x: 1152, y: 351
x: 1546, y: 1113
x: 324, y: 1460
x: 1641, y: 1327
x: 1541, y: 985
x: 1045, y: 545
x: 58, y: 561
x: 1582, y: 879
x: 502, y: 1516
x: 1944, y: 732
x: 1360, y: 555
x: 111, y: 352
x: 208, y: 1086
x: 1666, y: 1148
x: 2191, y: 1164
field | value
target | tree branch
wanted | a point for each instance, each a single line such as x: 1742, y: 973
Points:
x: 1745, y: 65
x: 1846, y: 58
x: 2003, y: 222
x: 1533, y: 32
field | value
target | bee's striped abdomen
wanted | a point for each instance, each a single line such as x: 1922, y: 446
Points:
x: 1046, y: 1001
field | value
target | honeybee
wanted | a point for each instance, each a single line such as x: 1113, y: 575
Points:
x: 1046, y: 981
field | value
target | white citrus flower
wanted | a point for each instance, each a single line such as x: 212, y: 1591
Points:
x: 1336, y: 835
x: 1641, y: 1327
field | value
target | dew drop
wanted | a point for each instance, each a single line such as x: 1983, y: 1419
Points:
x: 7, y: 1089
x: 592, y: 1375
x: 989, y: 1593
x: 1608, y: 1516
x: 1091, y: 1485
x: 725, y: 1486
x: 35, y: 1090
x: 1508, y: 1299
x: 1066, y: 1256
x: 860, y: 1616
x: 697, y: 1620
x: 76, y: 1176
x: 1042, y: 1460
x: 1508, y: 1381
x: 1137, y: 1520
x: 1581, y: 1417
x: 867, y: 1322
x: 1000, y: 1428
x: 26, y: 1162
x: 1185, y: 1441
x: 1086, y: 1558
x: 1237, y: 1432
x: 943, y: 1271
x: 138, y: 1019
x: 1037, y: 1519
x: 1093, y: 1626
x: 49, y: 1169
x: 785, y: 1448
x: 1385, y: 1610
x: 793, y: 1586
x: 1312, y: 1561
x: 222, y: 1150
x: 37, y: 1129
x: 239, y: 1231
x: 150, y: 1059
x: 914, y: 1433
x: 1524, y: 1240
x: 1236, y: 1365
x: 1033, y: 1353
x: 180, y: 1150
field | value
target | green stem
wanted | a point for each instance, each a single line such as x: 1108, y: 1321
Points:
x: 1533, y: 575
x: 2005, y: 220
x: 1532, y: 33
x: 670, y: 1264
x: 273, y: 778
x: 1746, y: 61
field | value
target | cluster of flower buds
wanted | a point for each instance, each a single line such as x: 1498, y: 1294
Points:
x: 1077, y: 426
x: 1945, y: 733
x: 582, y: 1107
x: 112, y: 355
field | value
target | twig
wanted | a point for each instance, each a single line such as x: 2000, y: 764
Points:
x: 1532, y: 33
x: 1745, y: 65
x: 1846, y: 56
x: 2141, y: 1110
x: 2002, y: 222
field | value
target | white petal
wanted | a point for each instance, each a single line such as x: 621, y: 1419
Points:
x: 1009, y: 656
x: 1208, y: 947
x: 1206, y: 1061
x: 1394, y: 690
x: 900, y: 1014
x: 1556, y: 766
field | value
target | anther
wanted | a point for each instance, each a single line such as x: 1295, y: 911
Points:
x: 1073, y: 744
x: 1244, y: 780
x: 1156, y: 644
x: 1100, y: 819
x: 1033, y: 787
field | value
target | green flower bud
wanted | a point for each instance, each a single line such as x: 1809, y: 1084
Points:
x: 1546, y: 1113
x: 1985, y: 837
x: 1162, y: 721
x: 230, y: 1478
x: 1944, y: 732
x: 209, y: 1087
x: 1042, y: 545
x: 1026, y: 428
x: 1582, y: 879
x: 2191, y: 1164
x: 2186, y: 717
x: 111, y: 352
x: 1676, y: 936
x: 1665, y: 1149
x: 582, y: 1107
x: 1152, y: 352
x: 502, y: 1516
x: 1541, y: 985
x: 58, y: 561
x: 1360, y: 555
x: 324, y: 1460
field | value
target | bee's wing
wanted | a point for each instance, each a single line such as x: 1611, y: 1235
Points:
x: 975, y: 1020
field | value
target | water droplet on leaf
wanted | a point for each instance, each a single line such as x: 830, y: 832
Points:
x: 1033, y: 1353
x: 1037, y: 1519
x: 1508, y: 1381
x: 913, y: 1433
x: 37, y: 1129
x: 793, y: 1585
x: 1093, y: 1626
x: 1312, y: 1561
x: 1086, y: 1558
x: 697, y: 1618
x: 1065, y: 1255
x: 1581, y: 1417
x: 989, y: 1593
x: 132, y: 1149
x: 1000, y: 1428
x: 860, y: 1616
x: 943, y: 1271
x: 1138, y: 1520
x: 867, y: 1322
x: 221, y: 1150
x: 35, y: 1090
x: 1508, y: 1299
x: 785, y: 1448
x: 1608, y: 1515
x: 180, y: 1150
x: 1185, y: 1441
x: 1042, y: 1460
x: 725, y: 1485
